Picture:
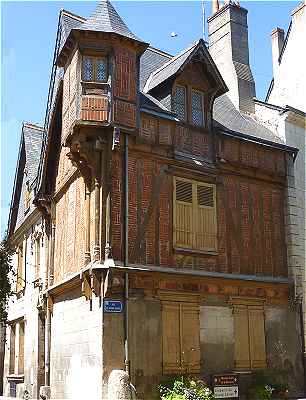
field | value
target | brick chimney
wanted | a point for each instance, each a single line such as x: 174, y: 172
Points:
x: 228, y: 45
x: 277, y: 41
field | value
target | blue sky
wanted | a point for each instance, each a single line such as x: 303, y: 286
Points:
x: 28, y: 32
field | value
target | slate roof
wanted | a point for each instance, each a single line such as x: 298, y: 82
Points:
x: 33, y: 136
x: 26, y: 172
x: 149, y: 103
x: 169, y: 68
x: 157, y: 66
x: 106, y: 19
x: 227, y: 115
x: 150, y: 61
x: 68, y: 22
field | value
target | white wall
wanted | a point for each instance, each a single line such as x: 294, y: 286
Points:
x: 76, y: 347
x: 289, y: 78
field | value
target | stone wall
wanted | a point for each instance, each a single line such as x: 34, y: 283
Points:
x: 284, y: 346
x: 76, y: 347
x: 217, y: 338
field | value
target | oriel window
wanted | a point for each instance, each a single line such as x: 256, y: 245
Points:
x: 179, y: 102
x: 197, y: 107
x: 94, y: 69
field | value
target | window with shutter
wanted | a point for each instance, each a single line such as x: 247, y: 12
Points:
x: 195, y: 224
x: 190, y: 332
x: 181, y: 337
x: 250, y: 350
x: 12, y: 349
x: 171, y: 337
x: 17, y: 334
x: 183, y: 215
x: 257, y: 337
x: 21, y: 349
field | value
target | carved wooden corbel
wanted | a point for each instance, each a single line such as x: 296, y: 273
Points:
x: 85, y: 155
x: 91, y: 283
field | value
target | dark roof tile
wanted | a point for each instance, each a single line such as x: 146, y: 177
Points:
x: 106, y: 19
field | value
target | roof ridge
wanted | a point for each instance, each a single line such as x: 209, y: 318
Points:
x: 159, y: 51
x: 171, y: 60
x: 71, y: 14
x: 174, y: 58
x: 32, y: 125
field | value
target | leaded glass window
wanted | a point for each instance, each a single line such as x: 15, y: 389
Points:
x: 87, y: 69
x: 101, y: 70
x: 94, y: 69
x: 197, y: 108
x: 179, y: 102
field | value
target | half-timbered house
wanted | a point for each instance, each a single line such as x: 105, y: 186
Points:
x: 161, y: 200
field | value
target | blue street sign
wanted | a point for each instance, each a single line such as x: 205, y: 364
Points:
x: 113, y: 306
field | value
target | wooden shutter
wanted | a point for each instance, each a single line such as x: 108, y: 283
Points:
x: 21, y: 349
x: 190, y: 337
x: 183, y: 213
x: 241, y: 328
x: 205, y: 217
x: 257, y: 337
x: 171, y: 337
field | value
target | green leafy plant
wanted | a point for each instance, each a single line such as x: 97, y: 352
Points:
x: 185, y: 388
x: 266, y: 386
x: 5, y: 271
x: 260, y: 392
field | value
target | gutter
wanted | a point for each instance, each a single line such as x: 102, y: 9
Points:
x: 253, y: 139
x: 126, y: 254
x: 74, y: 279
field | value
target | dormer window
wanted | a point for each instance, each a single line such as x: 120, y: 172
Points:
x: 188, y: 105
x: 197, y: 114
x: 179, y: 102
x: 94, y: 69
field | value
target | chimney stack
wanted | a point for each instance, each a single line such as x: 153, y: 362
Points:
x: 277, y: 41
x: 215, y: 6
x: 228, y: 46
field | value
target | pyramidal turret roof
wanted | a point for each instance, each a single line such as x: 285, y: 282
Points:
x: 106, y: 19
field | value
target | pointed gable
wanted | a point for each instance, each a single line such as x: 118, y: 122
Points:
x: 176, y: 64
x: 26, y: 172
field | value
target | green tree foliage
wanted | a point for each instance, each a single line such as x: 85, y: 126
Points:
x: 5, y: 269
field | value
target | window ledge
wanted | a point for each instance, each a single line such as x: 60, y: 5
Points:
x: 95, y: 83
x: 195, y: 252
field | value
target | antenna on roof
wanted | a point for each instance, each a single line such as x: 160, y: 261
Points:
x: 203, y: 19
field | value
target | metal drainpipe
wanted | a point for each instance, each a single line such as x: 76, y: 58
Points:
x: 126, y: 254
x: 303, y: 343
x: 48, y: 316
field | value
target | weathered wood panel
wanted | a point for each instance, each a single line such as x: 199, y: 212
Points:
x: 69, y: 231
x: 70, y: 93
x: 64, y: 169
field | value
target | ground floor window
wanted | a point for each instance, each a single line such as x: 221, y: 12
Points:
x: 249, y: 332
x: 181, y: 337
x: 16, y: 362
